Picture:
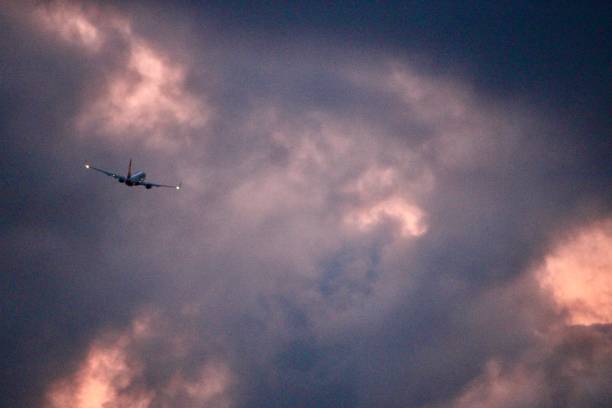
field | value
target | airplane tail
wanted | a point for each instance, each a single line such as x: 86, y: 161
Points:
x: 129, y: 174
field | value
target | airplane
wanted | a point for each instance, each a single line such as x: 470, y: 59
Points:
x: 130, y: 180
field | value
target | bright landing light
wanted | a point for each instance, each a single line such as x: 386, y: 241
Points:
x: 87, y: 166
x: 178, y: 187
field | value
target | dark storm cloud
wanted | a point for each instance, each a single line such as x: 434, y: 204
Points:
x: 34, y: 214
x: 356, y: 229
x: 554, y: 51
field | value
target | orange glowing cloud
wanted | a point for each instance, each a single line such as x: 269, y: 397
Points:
x: 100, y: 380
x: 579, y: 275
x: 107, y: 375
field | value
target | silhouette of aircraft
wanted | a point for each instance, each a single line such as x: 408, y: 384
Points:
x: 131, y: 180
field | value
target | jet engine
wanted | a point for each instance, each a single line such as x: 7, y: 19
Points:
x: 148, y: 186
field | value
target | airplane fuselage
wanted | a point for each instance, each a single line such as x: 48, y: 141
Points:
x: 135, y: 178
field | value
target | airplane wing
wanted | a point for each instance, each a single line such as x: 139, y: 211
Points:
x: 149, y: 184
x: 108, y: 173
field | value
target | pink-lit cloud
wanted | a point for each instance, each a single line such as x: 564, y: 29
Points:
x: 147, y: 99
x: 570, y: 368
x: 111, y: 373
x: 568, y: 361
x: 72, y: 22
x: 410, y: 217
x: 103, y: 376
x: 143, y: 97
x: 499, y: 387
x: 207, y: 389
x: 578, y: 273
x: 332, y: 232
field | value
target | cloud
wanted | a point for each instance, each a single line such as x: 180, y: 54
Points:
x: 142, y: 94
x: 409, y: 216
x: 519, y: 387
x: 98, y: 382
x: 568, y: 371
x: 569, y: 357
x: 147, y: 99
x: 356, y: 229
x: 577, y: 273
x: 73, y: 24
x: 113, y: 374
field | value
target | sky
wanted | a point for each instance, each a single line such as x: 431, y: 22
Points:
x: 398, y: 204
